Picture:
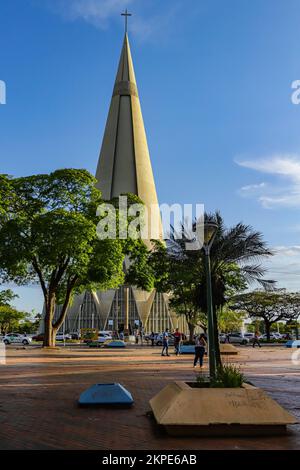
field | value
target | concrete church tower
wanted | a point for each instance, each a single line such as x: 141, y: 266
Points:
x: 125, y: 167
x: 124, y: 164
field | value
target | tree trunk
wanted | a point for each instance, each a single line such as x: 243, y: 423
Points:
x: 191, y: 330
x: 50, y: 327
x: 268, y: 329
x: 49, y: 331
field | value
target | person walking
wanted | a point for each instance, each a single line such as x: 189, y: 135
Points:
x: 136, y: 335
x: 177, y: 341
x: 152, y: 338
x: 165, y: 342
x: 200, y: 349
x: 256, y: 339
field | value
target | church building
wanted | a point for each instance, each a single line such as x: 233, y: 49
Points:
x: 124, y: 167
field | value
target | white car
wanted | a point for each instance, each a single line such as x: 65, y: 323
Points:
x: 62, y: 337
x: 16, y: 338
x: 272, y: 336
x: 249, y: 335
x: 103, y: 336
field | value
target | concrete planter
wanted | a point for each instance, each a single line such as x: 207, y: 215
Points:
x: 185, y: 410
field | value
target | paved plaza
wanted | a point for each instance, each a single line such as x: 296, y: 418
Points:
x: 39, y: 391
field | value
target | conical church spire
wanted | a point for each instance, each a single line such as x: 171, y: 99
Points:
x: 124, y: 163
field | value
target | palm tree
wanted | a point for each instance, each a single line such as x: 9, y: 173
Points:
x: 236, y: 256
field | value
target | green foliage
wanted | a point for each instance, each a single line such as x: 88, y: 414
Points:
x: 269, y: 306
x: 6, y: 296
x: 10, y: 318
x: 230, y: 320
x: 48, y: 235
x: 257, y: 325
x: 228, y: 376
x: 234, y: 256
x: 202, y: 380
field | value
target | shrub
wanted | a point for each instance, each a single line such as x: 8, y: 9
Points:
x: 228, y: 376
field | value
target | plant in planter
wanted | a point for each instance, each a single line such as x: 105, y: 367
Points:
x: 228, y: 376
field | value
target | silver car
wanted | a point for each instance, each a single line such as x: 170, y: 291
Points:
x: 237, y: 338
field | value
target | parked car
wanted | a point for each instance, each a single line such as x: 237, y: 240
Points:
x: 103, y: 336
x: 17, y: 338
x: 75, y: 335
x: 237, y: 338
x: 148, y: 337
x: 62, y: 337
x: 272, y: 336
x: 249, y: 335
x: 39, y: 337
x: 159, y: 340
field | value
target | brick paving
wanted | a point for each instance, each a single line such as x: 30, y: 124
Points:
x: 39, y: 391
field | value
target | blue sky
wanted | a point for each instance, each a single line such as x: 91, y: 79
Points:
x: 214, y: 78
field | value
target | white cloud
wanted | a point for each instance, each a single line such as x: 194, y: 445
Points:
x: 284, y: 267
x: 96, y: 12
x: 251, y: 187
x: 285, y: 191
x: 284, y: 165
x: 287, y: 250
x: 101, y: 13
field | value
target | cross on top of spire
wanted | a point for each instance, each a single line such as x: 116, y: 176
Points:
x: 126, y: 14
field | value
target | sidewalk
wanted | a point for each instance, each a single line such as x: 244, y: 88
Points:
x: 39, y: 392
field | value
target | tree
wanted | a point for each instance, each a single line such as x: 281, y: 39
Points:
x: 30, y: 324
x: 48, y: 235
x: 10, y: 318
x: 235, y: 262
x: 271, y: 307
x: 174, y: 274
x: 230, y: 320
x: 6, y: 296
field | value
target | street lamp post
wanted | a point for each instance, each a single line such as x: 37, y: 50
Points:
x: 210, y: 230
x: 126, y: 311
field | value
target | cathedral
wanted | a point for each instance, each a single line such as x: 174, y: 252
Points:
x: 124, y: 167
